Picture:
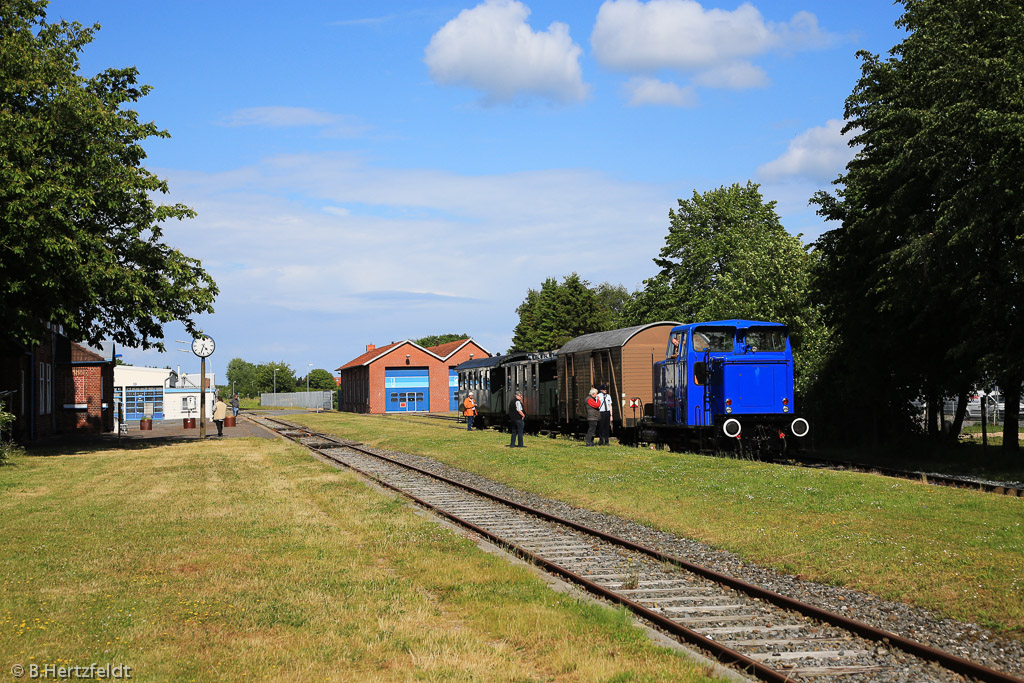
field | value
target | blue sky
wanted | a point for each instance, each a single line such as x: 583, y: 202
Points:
x: 370, y: 172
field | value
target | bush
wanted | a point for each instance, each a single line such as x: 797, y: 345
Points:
x: 8, y: 448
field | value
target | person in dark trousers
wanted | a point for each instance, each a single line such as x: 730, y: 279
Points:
x: 234, y: 405
x: 605, y: 420
x: 593, y: 415
x: 470, y: 411
x: 517, y: 416
x: 220, y: 411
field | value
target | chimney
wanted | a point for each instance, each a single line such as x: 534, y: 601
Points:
x: 371, y: 347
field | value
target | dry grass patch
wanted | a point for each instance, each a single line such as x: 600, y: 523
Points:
x: 245, y: 559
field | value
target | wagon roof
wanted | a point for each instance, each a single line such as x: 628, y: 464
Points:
x: 609, y: 339
x: 479, y: 363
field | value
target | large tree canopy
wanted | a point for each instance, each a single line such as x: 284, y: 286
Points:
x: 727, y: 255
x: 561, y: 311
x: 927, y: 264
x: 79, y: 231
x: 319, y: 380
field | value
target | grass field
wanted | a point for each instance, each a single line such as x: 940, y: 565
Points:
x: 245, y: 559
x: 955, y: 551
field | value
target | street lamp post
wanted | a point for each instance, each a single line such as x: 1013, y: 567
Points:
x: 275, y: 383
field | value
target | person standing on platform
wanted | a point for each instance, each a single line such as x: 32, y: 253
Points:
x: 593, y: 416
x: 470, y: 411
x: 517, y: 416
x: 605, y: 420
x: 220, y: 411
x: 234, y: 405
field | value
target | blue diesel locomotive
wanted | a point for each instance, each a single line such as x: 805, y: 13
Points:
x: 726, y: 383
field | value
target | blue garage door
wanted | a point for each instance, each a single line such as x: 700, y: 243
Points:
x: 406, y: 389
x: 453, y: 389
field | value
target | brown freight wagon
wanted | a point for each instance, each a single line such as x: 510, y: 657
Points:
x: 623, y: 360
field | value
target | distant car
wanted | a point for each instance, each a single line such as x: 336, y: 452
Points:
x: 993, y: 403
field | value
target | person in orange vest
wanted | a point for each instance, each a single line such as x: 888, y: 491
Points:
x: 470, y: 411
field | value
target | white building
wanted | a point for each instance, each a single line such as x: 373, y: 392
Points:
x: 159, y: 393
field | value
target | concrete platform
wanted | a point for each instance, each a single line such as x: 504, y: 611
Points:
x: 173, y: 430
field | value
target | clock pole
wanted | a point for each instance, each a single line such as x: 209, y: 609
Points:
x: 202, y: 397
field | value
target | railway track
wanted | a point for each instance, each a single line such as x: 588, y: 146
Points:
x: 771, y: 636
x: 1011, y: 489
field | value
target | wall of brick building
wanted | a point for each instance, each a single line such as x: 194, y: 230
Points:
x: 437, y: 373
x: 84, y: 385
x: 51, y: 380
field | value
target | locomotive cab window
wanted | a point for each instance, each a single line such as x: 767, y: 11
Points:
x: 714, y: 339
x: 675, y: 342
x: 766, y: 339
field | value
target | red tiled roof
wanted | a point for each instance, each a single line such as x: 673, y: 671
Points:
x: 369, y: 355
x: 444, y: 350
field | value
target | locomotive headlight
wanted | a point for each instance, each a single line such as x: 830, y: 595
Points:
x: 785, y: 408
x: 785, y: 401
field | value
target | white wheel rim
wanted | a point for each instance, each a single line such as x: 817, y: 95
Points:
x: 800, y: 427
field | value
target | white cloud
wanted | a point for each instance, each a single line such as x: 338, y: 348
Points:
x: 650, y: 91
x: 492, y: 49
x: 327, y: 233
x: 818, y: 154
x: 713, y: 44
x: 735, y: 76
x: 334, y: 125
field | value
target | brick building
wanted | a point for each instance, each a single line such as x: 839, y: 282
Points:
x: 405, y: 377
x: 57, y: 387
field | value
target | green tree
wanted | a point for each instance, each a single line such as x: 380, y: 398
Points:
x: 242, y: 375
x: 727, y: 255
x: 79, y: 231
x: 438, y: 339
x: 319, y: 380
x: 931, y: 244
x: 266, y: 378
x: 611, y: 300
x: 557, y: 313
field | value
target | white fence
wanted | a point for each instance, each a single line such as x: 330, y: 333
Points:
x: 317, y: 400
